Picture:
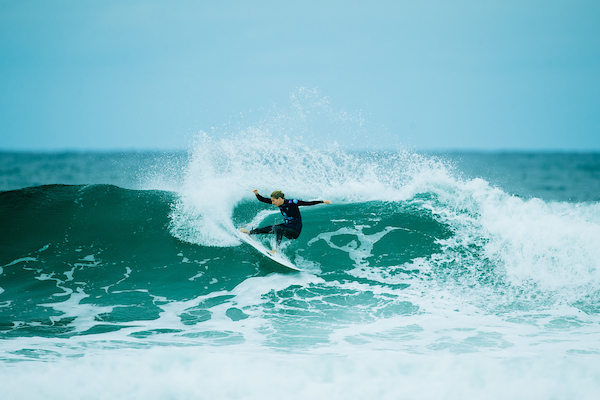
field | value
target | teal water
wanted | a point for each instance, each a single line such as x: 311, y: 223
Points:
x: 473, y: 270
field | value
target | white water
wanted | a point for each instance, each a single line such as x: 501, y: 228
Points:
x: 223, y: 172
x: 197, y: 373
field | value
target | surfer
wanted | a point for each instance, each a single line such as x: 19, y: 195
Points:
x: 292, y: 225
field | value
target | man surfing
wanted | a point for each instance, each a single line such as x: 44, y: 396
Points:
x: 292, y: 224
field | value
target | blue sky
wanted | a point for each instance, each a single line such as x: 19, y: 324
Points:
x: 429, y: 75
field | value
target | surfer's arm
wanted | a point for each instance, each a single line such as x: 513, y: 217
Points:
x: 312, y: 203
x: 260, y: 198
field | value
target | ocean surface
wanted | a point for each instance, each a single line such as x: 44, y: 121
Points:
x: 431, y: 276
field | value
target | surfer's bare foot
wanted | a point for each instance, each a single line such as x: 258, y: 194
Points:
x: 244, y: 230
x: 273, y: 251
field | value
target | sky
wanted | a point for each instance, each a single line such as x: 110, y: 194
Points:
x: 426, y: 75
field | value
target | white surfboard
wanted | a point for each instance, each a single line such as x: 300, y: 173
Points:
x: 277, y: 257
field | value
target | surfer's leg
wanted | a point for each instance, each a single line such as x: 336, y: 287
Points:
x: 279, y: 235
x: 279, y: 230
x: 282, y: 230
x: 264, y: 229
x: 291, y: 233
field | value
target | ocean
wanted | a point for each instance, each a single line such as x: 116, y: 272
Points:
x: 430, y: 276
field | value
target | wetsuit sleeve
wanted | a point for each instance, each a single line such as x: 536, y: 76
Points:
x: 263, y: 199
x: 309, y: 203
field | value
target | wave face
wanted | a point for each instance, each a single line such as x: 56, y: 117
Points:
x: 413, y: 260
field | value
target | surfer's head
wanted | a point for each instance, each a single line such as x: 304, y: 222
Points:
x: 277, y: 198
x: 277, y: 194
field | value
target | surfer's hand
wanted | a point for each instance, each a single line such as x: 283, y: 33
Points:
x: 255, y: 191
x: 327, y: 201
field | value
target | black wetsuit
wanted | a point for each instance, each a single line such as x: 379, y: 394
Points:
x: 292, y: 225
